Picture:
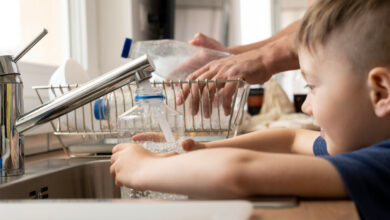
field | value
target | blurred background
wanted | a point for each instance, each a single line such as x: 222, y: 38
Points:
x: 92, y: 32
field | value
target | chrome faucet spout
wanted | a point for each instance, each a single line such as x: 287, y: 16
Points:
x: 137, y: 70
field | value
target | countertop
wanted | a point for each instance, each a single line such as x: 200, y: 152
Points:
x: 306, y: 208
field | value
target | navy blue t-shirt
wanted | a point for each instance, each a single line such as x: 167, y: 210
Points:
x: 366, y: 175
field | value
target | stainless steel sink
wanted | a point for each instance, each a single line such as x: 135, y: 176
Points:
x: 75, y: 178
x: 84, y: 178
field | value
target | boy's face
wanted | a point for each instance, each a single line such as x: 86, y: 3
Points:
x: 338, y: 99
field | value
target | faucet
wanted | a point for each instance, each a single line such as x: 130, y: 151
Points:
x: 13, y: 122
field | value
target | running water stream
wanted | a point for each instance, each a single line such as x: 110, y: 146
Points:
x: 160, y: 117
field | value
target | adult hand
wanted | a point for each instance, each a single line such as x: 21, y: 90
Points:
x: 247, y: 66
x: 193, y: 63
x: 127, y: 162
x: 202, y: 40
x: 212, y: 50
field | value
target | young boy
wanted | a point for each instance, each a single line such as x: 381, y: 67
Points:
x: 344, y: 53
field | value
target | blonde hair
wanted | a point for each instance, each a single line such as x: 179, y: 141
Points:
x: 361, y: 28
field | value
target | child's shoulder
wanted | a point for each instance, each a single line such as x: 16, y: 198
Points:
x: 366, y: 175
x: 369, y: 156
x: 381, y: 149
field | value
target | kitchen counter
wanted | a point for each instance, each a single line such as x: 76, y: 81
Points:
x: 306, y: 209
x: 310, y: 209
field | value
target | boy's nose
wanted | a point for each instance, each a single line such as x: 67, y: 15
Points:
x: 306, y: 106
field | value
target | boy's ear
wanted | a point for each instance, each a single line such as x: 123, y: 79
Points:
x: 379, y: 81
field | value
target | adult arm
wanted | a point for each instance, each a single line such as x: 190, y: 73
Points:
x: 289, y: 30
x: 254, y: 66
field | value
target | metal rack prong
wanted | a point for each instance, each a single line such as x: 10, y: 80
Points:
x: 123, y: 99
x: 165, y: 92
x: 183, y: 104
x: 210, y: 103
x: 83, y: 110
x: 116, y: 111
x: 233, y: 105
x: 55, y: 96
x: 131, y: 98
x: 218, y: 106
x: 174, y: 94
x: 75, y: 111
x: 100, y: 114
x: 91, y: 114
x: 244, y: 97
x: 200, y: 104
x: 67, y: 115
x: 192, y: 104
x: 131, y: 95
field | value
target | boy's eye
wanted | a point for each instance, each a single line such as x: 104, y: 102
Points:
x: 310, y: 87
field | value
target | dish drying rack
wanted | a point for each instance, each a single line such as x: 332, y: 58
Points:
x: 81, y: 121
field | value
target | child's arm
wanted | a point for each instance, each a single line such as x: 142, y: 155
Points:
x: 226, y: 173
x: 281, y: 140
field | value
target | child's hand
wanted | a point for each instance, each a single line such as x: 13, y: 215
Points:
x: 190, y: 145
x: 128, y: 160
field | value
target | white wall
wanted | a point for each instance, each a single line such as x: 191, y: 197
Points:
x: 287, y: 12
x: 114, y: 25
x: 256, y: 20
x: 249, y: 20
x: 191, y: 20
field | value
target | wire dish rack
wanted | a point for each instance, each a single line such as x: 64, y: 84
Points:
x: 83, y: 123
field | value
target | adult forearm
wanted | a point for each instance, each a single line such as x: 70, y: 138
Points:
x: 248, y: 47
x: 289, y: 30
x: 280, y: 56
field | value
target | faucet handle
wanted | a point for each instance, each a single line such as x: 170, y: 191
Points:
x: 31, y: 45
x: 8, y: 64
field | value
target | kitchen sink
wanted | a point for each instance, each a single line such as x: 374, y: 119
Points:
x: 75, y: 178
x: 84, y: 178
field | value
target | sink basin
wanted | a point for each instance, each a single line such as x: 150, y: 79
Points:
x: 84, y: 178
x: 75, y: 178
